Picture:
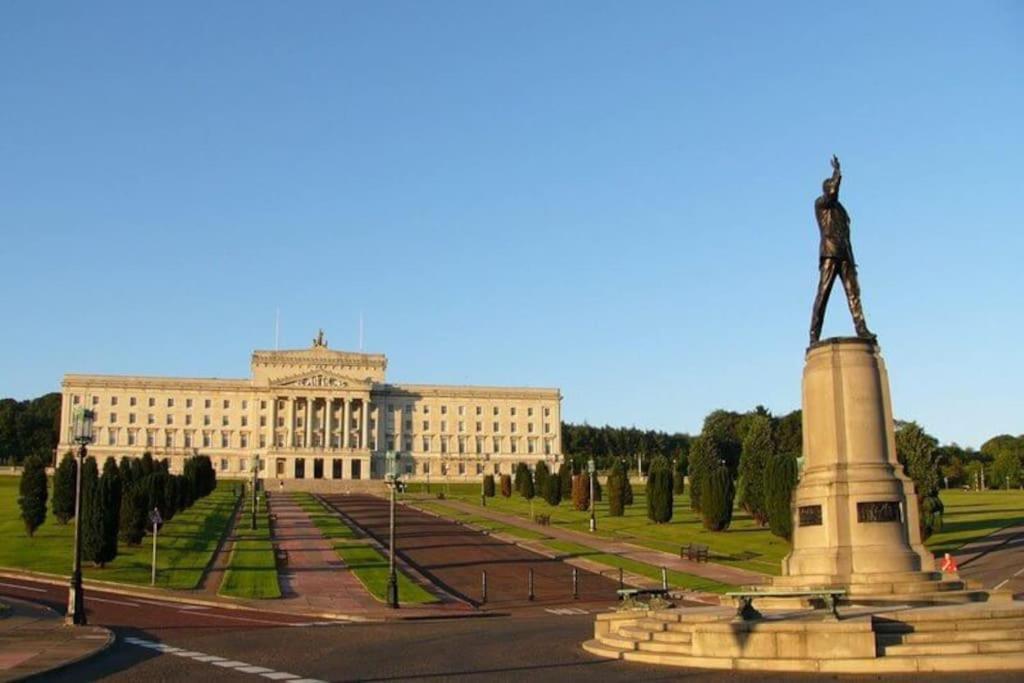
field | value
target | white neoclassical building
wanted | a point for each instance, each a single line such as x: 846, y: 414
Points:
x: 317, y: 413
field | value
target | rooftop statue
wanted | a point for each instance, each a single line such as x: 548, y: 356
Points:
x: 835, y: 257
x: 318, y: 341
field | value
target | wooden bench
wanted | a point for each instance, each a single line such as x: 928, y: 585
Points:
x: 745, y: 600
x: 694, y: 552
x: 543, y: 520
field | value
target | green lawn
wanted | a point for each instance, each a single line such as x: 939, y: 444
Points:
x: 185, y: 547
x: 971, y: 515
x: 675, y: 579
x: 362, y: 559
x: 252, y: 570
x: 745, y: 544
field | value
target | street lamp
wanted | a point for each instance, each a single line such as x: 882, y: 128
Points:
x: 82, y: 435
x: 592, y: 469
x: 393, y: 462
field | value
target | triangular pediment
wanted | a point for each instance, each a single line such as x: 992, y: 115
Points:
x: 321, y: 380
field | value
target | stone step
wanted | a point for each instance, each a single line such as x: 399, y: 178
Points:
x: 678, y: 660
x: 673, y: 637
x: 953, y: 597
x: 617, y: 641
x: 596, y: 647
x: 659, y: 646
x: 653, y: 624
x: 901, y: 589
x: 1012, y: 623
x: 963, y: 636
x: 635, y: 632
x: 951, y: 648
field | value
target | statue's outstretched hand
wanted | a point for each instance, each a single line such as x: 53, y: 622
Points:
x: 835, y: 163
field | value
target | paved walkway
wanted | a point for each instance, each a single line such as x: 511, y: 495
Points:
x: 33, y: 640
x: 315, y: 578
x: 658, y: 558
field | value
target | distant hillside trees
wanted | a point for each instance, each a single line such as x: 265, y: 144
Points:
x: 29, y: 428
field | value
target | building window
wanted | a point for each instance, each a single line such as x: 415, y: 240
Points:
x: 150, y: 437
x: 462, y: 468
x: 512, y: 427
x: 263, y: 440
x: 529, y: 427
x: 188, y: 439
x: 496, y: 442
x: 245, y: 420
x: 529, y: 412
x: 245, y: 405
x: 75, y: 399
x: 188, y: 419
x: 113, y: 400
x: 512, y: 411
x: 131, y: 418
x: 426, y: 444
x: 206, y: 420
x: 530, y: 445
x: 170, y: 403
x: 169, y: 439
x: 547, y: 412
x: 479, y: 444
x: 444, y: 410
x: 223, y: 464
x: 391, y: 409
x: 444, y: 425
x: 111, y: 437
x: 188, y: 403
x: 113, y: 417
x: 479, y: 468
x: 206, y: 439
x: 426, y: 468
x: 131, y: 437
x: 152, y: 402
x: 244, y: 437
x: 462, y: 410
x: 150, y: 419
x: 227, y: 404
x: 426, y: 425
x: 300, y: 468
x: 479, y: 410
x: 390, y: 443
x: 224, y: 420
x: 462, y: 445
x: 408, y: 425
x: 512, y: 445
x: 206, y: 403
x: 407, y: 443
x: 225, y: 439
x: 462, y: 426
x: 479, y: 426
x: 426, y: 410
x: 280, y: 422
x: 547, y: 427
x: 243, y: 464
x: 131, y: 401
x: 444, y: 445
x: 547, y: 447
x: 495, y: 427
x: 263, y: 420
x: 495, y: 410
x: 95, y: 400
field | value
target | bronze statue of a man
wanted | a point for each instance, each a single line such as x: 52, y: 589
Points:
x: 835, y: 256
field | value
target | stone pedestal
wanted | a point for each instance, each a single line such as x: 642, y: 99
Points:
x: 855, y: 516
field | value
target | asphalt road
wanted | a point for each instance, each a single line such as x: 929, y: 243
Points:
x: 1002, y: 567
x: 455, y: 557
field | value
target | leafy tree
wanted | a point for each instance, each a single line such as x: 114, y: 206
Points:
x: 780, y: 478
x: 32, y: 493
x: 917, y: 452
x: 757, y: 449
x: 506, y: 486
x: 170, y: 496
x: 659, y: 491
x: 127, y: 475
x: 580, y: 492
x: 134, y: 515
x: 552, y: 490
x: 617, y: 489
x: 727, y: 429
x: 109, y: 500
x: 704, y: 456
x: 92, y: 521
x: 717, y: 496
x: 29, y: 428
x: 789, y: 433
x: 1006, y: 470
x: 541, y: 472
x: 64, y: 488
x: 489, y: 486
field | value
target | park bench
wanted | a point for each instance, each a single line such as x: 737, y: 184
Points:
x: 282, y: 557
x: 694, y: 552
x: 745, y: 600
x: 543, y: 520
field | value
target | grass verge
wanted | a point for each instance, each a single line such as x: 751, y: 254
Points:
x: 252, y: 569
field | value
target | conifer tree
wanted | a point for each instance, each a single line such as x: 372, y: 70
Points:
x: 529, y: 491
x: 110, y: 494
x: 506, y: 486
x: 489, y: 486
x: 757, y: 449
x: 679, y: 474
x: 521, y: 475
x: 565, y: 479
x: 147, y: 464
x: 32, y: 493
x: 134, y: 515
x: 659, y: 490
x: 704, y: 456
x: 581, y: 492
x: 780, y: 479
x: 617, y: 490
x: 716, y: 498
x: 627, y: 489
x: 64, y: 488
x: 541, y: 472
x: 92, y: 526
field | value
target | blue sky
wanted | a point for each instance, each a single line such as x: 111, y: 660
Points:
x: 612, y: 198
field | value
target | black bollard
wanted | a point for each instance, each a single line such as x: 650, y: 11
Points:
x: 483, y: 587
x: 621, y: 583
x: 530, y: 595
x: 575, y: 584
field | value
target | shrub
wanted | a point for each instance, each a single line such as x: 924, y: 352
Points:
x: 580, y: 492
x: 147, y: 464
x: 553, y: 490
x: 757, y: 449
x: 64, y: 488
x: 717, y: 495
x: 780, y: 476
x: 489, y: 486
x: 32, y: 493
x: 659, y: 490
x: 506, y: 486
x: 918, y: 452
x: 617, y: 490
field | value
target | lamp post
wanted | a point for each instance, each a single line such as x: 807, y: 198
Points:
x: 82, y: 435
x: 255, y: 473
x: 392, y: 460
x: 592, y: 469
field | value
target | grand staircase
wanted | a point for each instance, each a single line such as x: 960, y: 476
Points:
x: 979, y: 636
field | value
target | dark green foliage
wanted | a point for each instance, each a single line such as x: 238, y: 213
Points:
x: 134, y: 515
x: 489, y: 486
x: 757, y: 449
x: 553, y: 490
x: 607, y: 444
x: 659, y: 490
x: 716, y: 498
x: 522, y: 473
x: 109, y: 500
x: 679, y: 474
x: 184, y: 494
x: 617, y: 490
x: 529, y: 490
x: 127, y: 475
x: 581, y: 492
x: 597, y: 489
x: 170, y: 496
x: 627, y: 489
x: 704, y: 455
x: 29, y: 428
x: 137, y: 470
x: 565, y: 479
x: 506, y: 486
x: 918, y: 452
x: 780, y: 477
x: 154, y: 486
x: 92, y: 521
x: 789, y: 435
x: 540, y: 475
x: 64, y: 488
x: 727, y: 429
x: 32, y: 493
x: 147, y: 464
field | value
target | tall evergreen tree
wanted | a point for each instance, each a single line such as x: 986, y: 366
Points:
x: 716, y: 498
x: 529, y: 491
x: 553, y: 490
x: 489, y: 486
x: 659, y: 490
x: 679, y: 474
x: 125, y: 470
x: 134, y: 515
x: 147, y: 464
x: 581, y: 492
x: 92, y: 522
x: 918, y: 452
x: 506, y: 486
x: 540, y: 475
x: 757, y: 449
x: 32, y: 493
x: 704, y: 455
x: 110, y: 505
x: 522, y: 473
x: 780, y: 478
x: 565, y: 479
x: 64, y: 488
x: 617, y: 490
x: 627, y: 488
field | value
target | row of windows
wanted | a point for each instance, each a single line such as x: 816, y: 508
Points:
x: 495, y: 426
x: 151, y: 402
x: 495, y: 410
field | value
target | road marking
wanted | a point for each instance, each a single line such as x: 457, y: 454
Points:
x: 113, y: 602
x: 1019, y: 571
x: 1001, y: 585
x: 234, y: 664
x: 24, y: 588
x: 255, y: 621
x: 565, y: 611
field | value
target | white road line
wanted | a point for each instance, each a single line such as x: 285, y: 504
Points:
x: 1019, y: 571
x: 1002, y: 584
x: 279, y: 676
x: 23, y: 588
x: 112, y: 602
x: 231, y: 664
x: 255, y: 621
x: 254, y: 669
x: 242, y: 667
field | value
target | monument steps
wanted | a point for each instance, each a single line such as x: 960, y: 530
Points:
x: 965, y: 648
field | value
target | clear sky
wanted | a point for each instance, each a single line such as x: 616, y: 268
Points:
x: 614, y: 198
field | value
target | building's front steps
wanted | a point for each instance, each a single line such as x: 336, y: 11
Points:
x: 970, y: 637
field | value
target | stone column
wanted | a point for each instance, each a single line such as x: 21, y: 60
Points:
x: 346, y: 405
x: 290, y: 430
x: 309, y: 420
x: 273, y: 422
x: 365, y: 440
x: 327, y: 422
